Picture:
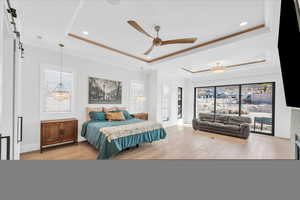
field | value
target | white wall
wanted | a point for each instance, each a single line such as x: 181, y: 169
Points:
x: 156, y: 81
x: 251, y: 75
x: 37, y: 57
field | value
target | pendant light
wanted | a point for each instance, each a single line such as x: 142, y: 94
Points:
x: 60, y: 93
x: 218, y: 68
x: 141, y: 98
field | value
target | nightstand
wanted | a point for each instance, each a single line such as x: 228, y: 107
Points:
x: 143, y: 116
x: 54, y: 132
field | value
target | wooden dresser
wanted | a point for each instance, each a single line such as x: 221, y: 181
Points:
x: 143, y: 116
x: 54, y: 132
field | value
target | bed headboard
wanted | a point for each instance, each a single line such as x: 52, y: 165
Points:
x: 101, y: 109
x: 91, y: 109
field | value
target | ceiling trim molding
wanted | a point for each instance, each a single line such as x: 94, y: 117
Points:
x: 106, y: 47
x: 210, y: 42
x: 228, y: 66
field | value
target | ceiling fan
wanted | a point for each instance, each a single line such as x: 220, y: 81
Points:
x: 156, y: 40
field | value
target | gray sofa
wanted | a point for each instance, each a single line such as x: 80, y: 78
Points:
x: 227, y: 125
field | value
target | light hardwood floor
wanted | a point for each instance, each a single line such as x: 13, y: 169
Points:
x: 182, y: 142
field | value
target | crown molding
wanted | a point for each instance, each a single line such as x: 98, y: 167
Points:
x: 228, y: 66
x: 204, y: 44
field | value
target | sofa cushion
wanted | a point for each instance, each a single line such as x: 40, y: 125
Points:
x: 232, y: 127
x: 203, y: 123
x: 206, y: 117
x: 236, y: 120
x: 216, y: 125
x: 222, y: 119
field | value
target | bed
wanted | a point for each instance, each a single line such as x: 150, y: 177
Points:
x: 110, y: 138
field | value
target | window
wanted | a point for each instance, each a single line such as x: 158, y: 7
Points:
x: 50, y: 80
x: 205, y: 100
x: 179, y: 110
x: 137, y: 97
x: 227, y: 100
x: 165, y: 107
x: 252, y: 100
x: 257, y: 103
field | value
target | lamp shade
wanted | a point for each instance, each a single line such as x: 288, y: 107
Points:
x: 140, y: 98
x: 60, y: 92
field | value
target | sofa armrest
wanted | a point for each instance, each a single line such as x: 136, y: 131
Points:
x: 244, y: 125
x: 195, y: 124
x: 245, y: 130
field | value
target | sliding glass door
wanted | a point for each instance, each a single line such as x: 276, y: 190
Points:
x: 257, y: 103
x: 252, y: 100
x: 179, y: 105
x: 227, y: 100
x: 204, y: 100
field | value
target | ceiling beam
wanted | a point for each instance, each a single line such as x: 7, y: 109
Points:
x: 209, y: 42
x: 106, y: 47
x: 171, y: 54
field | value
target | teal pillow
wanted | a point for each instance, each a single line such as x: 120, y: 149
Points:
x: 126, y: 114
x: 97, y: 116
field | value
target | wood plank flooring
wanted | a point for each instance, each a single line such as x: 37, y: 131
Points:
x: 182, y: 142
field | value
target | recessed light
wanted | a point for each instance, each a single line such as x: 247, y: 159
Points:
x: 39, y: 37
x: 243, y: 23
x: 85, y: 32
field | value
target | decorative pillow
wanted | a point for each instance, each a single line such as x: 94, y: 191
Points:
x: 126, y: 114
x: 97, y: 116
x: 114, y: 116
x: 91, y: 109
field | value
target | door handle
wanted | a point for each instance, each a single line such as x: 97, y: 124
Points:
x: 20, y: 129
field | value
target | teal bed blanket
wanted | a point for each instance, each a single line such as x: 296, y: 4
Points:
x: 91, y: 131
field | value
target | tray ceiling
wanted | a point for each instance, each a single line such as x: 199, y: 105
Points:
x: 106, y: 23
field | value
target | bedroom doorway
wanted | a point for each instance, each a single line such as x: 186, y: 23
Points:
x: 10, y: 109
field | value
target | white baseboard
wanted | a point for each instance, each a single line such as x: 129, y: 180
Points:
x: 29, y: 147
x: 34, y: 147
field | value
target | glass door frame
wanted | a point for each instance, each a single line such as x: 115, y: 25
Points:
x: 181, y: 102
x: 240, y: 101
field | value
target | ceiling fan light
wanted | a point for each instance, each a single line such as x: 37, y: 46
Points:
x: 218, y: 68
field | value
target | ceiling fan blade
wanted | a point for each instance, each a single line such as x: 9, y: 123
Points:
x: 179, y: 41
x: 149, y: 50
x: 135, y: 25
